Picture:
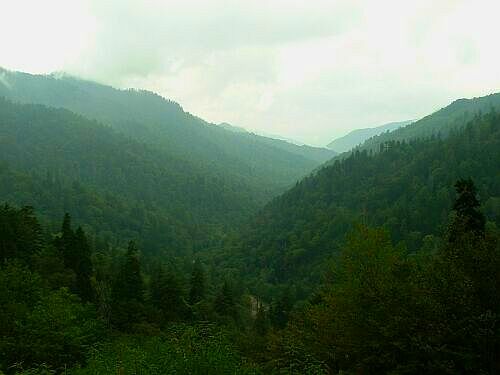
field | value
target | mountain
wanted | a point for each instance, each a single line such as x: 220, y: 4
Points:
x: 276, y: 136
x: 119, y: 188
x: 232, y: 128
x: 147, y: 117
x: 358, y: 136
x: 442, y: 122
x: 407, y: 188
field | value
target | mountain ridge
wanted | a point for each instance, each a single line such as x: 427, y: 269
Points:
x: 358, y: 136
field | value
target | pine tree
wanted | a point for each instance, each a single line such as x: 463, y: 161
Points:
x: 224, y: 302
x: 127, y: 295
x: 65, y: 242
x: 166, y: 294
x: 468, y: 218
x: 83, y: 266
x: 75, y: 251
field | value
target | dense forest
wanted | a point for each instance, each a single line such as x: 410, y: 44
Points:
x: 136, y: 238
x: 60, y: 162
x: 406, y: 187
x: 442, y: 122
x: 267, y: 166
x: 68, y: 307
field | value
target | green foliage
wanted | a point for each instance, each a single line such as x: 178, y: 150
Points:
x: 20, y: 233
x: 76, y: 254
x: 167, y: 295
x: 440, y: 123
x: 127, y: 298
x: 182, y: 350
x: 58, y: 331
x: 468, y: 217
x: 225, y: 303
x: 407, y: 189
x: 383, y: 311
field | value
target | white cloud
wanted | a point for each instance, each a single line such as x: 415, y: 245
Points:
x: 310, y: 69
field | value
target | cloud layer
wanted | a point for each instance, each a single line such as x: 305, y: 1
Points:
x: 310, y: 70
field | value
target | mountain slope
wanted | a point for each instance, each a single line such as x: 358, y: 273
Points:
x: 450, y: 118
x: 407, y: 188
x: 149, y: 118
x: 61, y: 162
x: 358, y: 136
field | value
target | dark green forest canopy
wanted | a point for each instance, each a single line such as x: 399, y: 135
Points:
x: 119, y: 188
x: 407, y: 188
x: 385, y: 261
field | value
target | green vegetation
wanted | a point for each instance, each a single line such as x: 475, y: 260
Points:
x: 142, y: 259
x: 384, y: 310
x: 120, y: 189
x: 440, y: 123
x: 129, y: 321
x: 407, y: 188
x: 261, y: 165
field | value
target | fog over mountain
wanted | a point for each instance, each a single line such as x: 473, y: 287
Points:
x: 306, y: 70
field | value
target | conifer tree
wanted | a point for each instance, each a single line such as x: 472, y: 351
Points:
x: 65, y: 242
x: 224, y: 302
x: 166, y: 294
x: 468, y: 218
x: 83, y: 266
x: 127, y: 297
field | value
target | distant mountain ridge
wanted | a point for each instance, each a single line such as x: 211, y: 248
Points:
x: 265, y: 165
x: 453, y: 117
x: 358, y: 136
x: 232, y: 128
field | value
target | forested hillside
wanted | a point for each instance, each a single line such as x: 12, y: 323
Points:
x: 406, y: 187
x: 268, y: 166
x: 73, y: 308
x: 442, y: 122
x: 60, y: 162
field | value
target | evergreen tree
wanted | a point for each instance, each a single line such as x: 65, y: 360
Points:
x: 468, y: 218
x: 76, y: 254
x: 83, y: 269
x: 20, y: 233
x: 166, y: 295
x: 65, y: 243
x: 225, y: 304
x: 127, y: 295
x: 198, y: 284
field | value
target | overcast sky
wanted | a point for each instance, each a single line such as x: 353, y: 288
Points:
x: 310, y: 70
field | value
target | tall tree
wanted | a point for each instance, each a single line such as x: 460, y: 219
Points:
x: 225, y: 304
x: 76, y: 254
x: 65, y: 241
x: 83, y: 266
x: 167, y: 294
x: 468, y: 218
x: 127, y: 295
x: 20, y: 233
